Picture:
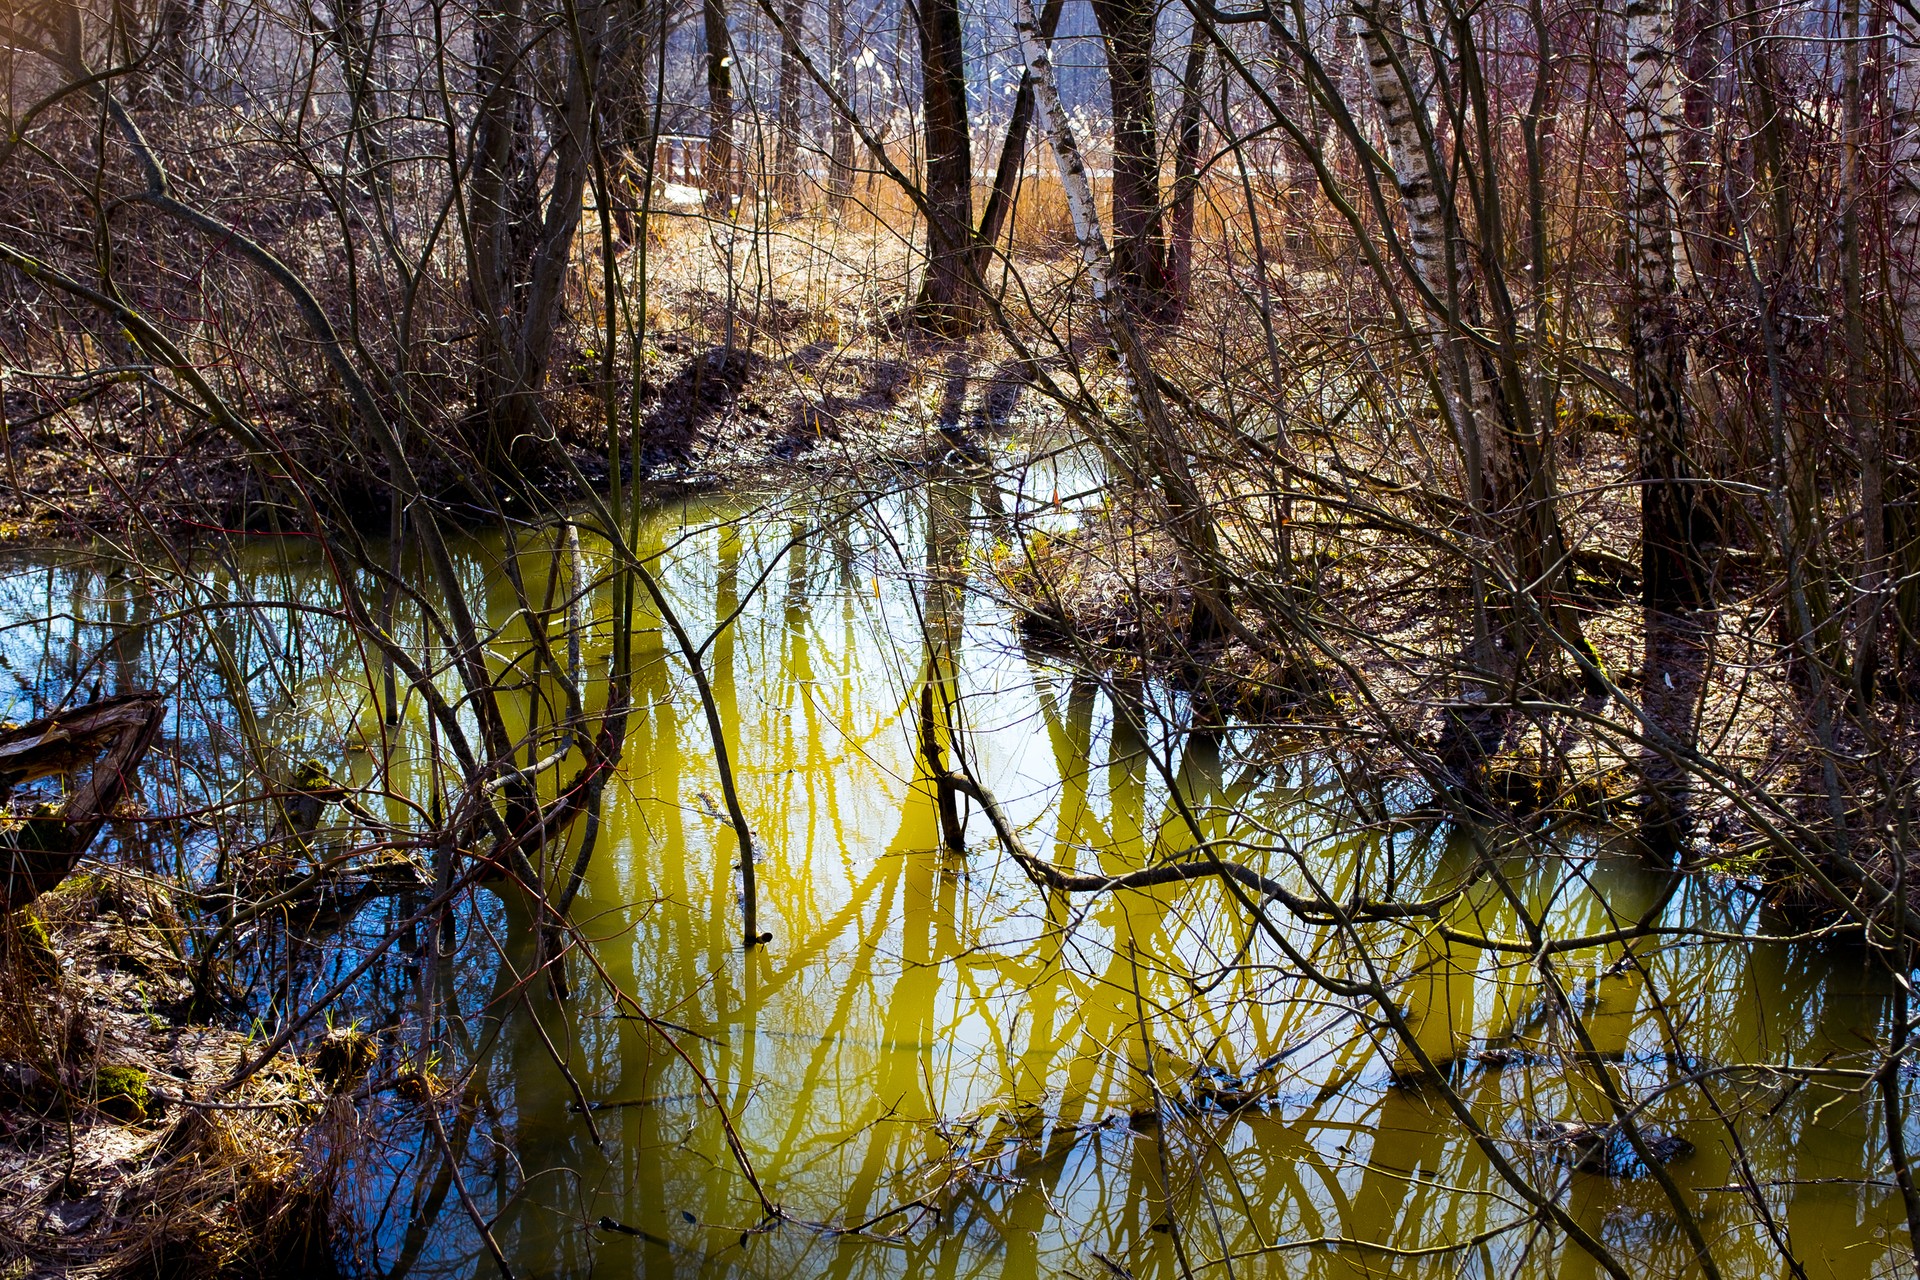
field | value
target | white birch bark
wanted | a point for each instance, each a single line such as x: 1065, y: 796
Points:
x: 1407, y: 124
x: 1087, y: 231
x: 1653, y: 120
x: 1669, y: 495
x: 1403, y: 113
x: 1165, y: 461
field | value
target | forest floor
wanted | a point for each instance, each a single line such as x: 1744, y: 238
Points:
x: 120, y: 1150
x: 771, y: 352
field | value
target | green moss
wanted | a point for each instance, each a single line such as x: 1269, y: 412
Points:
x: 314, y: 779
x: 121, y: 1092
x: 28, y: 945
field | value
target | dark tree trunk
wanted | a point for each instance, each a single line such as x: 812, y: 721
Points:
x: 172, y: 25
x: 1673, y: 574
x: 1186, y: 166
x: 717, y: 168
x: 840, y: 162
x: 625, y: 87
x: 1902, y: 255
x: 946, y: 303
x: 1139, y: 258
x: 1865, y: 425
x: 348, y: 37
x: 522, y: 235
x: 786, y: 145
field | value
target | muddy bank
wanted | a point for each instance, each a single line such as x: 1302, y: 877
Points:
x: 712, y: 418
x: 122, y: 1150
x: 753, y: 399
x: 1358, y: 649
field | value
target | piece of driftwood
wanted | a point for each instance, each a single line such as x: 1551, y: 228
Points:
x: 105, y: 740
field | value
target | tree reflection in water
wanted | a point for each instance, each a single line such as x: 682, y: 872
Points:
x: 937, y: 1069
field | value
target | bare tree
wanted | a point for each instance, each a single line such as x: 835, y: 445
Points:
x: 1673, y: 571
x: 534, y: 96
x: 1128, y: 31
x: 722, y: 184
x: 840, y: 146
x: 787, y: 117
x: 1904, y: 164
x: 946, y: 302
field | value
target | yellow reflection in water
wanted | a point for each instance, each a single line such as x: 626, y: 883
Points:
x: 987, y: 1080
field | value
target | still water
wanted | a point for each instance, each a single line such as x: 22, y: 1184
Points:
x: 936, y: 1069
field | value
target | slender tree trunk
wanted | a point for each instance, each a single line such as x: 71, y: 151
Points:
x: 1297, y: 180
x: 1903, y: 205
x: 1865, y: 426
x: 1817, y: 636
x: 173, y: 25
x: 946, y: 304
x: 1697, y: 36
x: 786, y: 144
x: 626, y: 90
x: 1186, y: 165
x: 1339, y: 63
x: 1508, y: 480
x: 1673, y: 572
x: 1151, y: 453
x: 352, y: 44
x: 1468, y: 392
x: 1013, y: 154
x: 717, y: 167
x: 1762, y: 84
x: 840, y: 162
x: 523, y: 235
x: 1903, y: 287
x: 503, y: 199
x: 1139, y: 255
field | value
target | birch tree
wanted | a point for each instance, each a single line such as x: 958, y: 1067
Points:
x: 1154, y: 457
x: 1466, y: 395
x: 1672, y: 574
x: 1408, y: 125
x: 1509, y: 487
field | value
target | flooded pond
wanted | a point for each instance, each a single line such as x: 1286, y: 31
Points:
x: 936, y: 1068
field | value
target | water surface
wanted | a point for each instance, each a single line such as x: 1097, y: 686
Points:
x: 936, y: 1069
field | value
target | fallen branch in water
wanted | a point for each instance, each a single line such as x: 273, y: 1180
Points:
x: 112, y: 735
x: 1047, y: 876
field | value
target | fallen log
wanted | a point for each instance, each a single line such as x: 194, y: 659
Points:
x: 107, y: 740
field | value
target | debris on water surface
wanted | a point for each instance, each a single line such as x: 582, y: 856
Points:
x: 1606, y: 1149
